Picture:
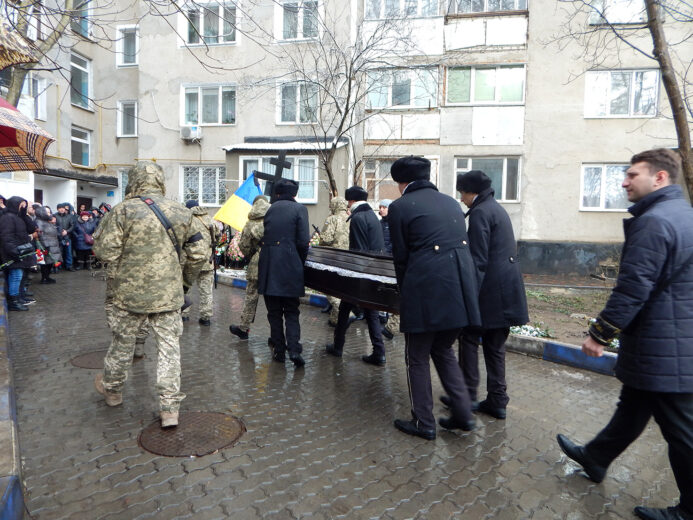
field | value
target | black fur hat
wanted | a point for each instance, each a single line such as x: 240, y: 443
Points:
x: 356, y: 193
x: 409, y: 169
x: 474, y: 181
x: 285, y: 187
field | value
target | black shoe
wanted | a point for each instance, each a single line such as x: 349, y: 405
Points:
x: 13, y: 304
x: 186, y: 318
x: 411, y: 428
x: 388, y: 334
x: 204, y: 322
x: 374, y: 359
x: 28, y: 293
x: 44, y: 281
x: 653, y: 513
x: 279, y: 357
x: 297, y: 360
x: 595, y: 472
x: 445, y: 399
x: 26, y: 300
x: 493, y: 411
x: 237, y: 331
x: 332, y: 350
x: 71, y: 268
x: 50, y: 280
x: 449, y: 423
x: 327, y: 308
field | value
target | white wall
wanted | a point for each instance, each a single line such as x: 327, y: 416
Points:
x: 55, y: 190
x: 20, y: 189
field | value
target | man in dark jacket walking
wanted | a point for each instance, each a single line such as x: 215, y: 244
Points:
x: 438, y: 293
x: 651, y: 307
x: 283, y: 252
x: 502, y: 299
x: 365, y: 234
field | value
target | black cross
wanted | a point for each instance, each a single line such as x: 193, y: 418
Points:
x: 280, y: 164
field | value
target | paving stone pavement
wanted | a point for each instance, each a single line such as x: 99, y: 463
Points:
x: 320, y: 441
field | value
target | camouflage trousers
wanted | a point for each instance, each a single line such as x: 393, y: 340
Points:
x: 393, y: 323
x: 141, y: 334
x: 249, y: 305
x: 167, y: 328
x: 334, y: 312
x: 205, y: 287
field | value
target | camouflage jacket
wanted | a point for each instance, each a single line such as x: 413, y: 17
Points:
x: 251, y: 236
x: 144, y: 270
x: 335, y: 231
x: 210, y: 234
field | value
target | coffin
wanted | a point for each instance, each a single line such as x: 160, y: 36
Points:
x: 365, y: 279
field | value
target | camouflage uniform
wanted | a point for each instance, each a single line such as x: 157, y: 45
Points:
x: 205, y: 275
x: 249, y: 245
x: 335, y: 233
x: 146, y: 278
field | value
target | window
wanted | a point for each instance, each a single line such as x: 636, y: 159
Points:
x: 504, y: 173
x: 402, y: 88
x: 32, y: 101
x: 616, y: 11
x: 298, y: 102
x: 601, y: 187
x: 486, y: 85
x: 205, y: 184
x: 211, y: 23
x: 127, y: 45
x: 79, y: 81
x: 379, y: 183
x: 299, y: 20
x: 304, y: 170
x: 127, y: 118
x: 80, y: 140
x: 621, y: 93
x: 37, y: 25
x: 378, y: 9
x: 209, y: 105
x: 485, y: 6
x: 80, y: 18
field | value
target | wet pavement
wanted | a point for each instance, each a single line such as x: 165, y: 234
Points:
x: 320, y: 442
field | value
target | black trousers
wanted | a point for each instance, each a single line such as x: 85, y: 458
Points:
x: 419, y: 349
x: 375, y: 329
x: 281, y: 310
x: 493, y: 344
x: 674, y: 415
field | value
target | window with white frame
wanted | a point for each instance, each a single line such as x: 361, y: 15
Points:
x: 485, y: 6
x: 403, y: 88
x: 601, y: 187
x: 127, y: 45
x: 80, y: 71
x: 486, y: 85
x: 206, y: 184
x: 504, y: 173
x: 379, y: 183
x: 298, y: 102
x: 210, y: 23
x: 380, y: 9
x: 617, y: 11
x: 621, y: 93
x: 80, y: 23
x: 80, y: 140
x: 299, y: 19
x: 32, y: 101
x: 127, y: 118
x: 304, y: 170
x: 37, y: 24
x: 209, y: 105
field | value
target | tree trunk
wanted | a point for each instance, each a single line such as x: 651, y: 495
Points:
x: 678, y: 108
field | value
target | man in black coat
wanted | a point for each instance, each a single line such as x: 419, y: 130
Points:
x: 502, y: 299
x: 280, y: 269
x: 16, y: 230
x: 365, y: 234
x: 651, y: 307
x: 438, y: 293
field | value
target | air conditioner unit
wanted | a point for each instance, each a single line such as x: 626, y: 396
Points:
x: 189, y: 133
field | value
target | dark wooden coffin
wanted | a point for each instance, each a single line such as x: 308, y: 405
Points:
x: 362, y: 278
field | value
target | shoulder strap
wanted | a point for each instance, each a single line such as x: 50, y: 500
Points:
x: 164, y: 222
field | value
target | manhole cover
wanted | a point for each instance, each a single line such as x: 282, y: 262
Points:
x: 92, y: 360
x: 197, y: 434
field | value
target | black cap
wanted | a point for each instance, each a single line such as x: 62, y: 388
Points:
x: 474, y: 181
x: 191, y: 203
x: 409, y: 169
x: 286, y: 187
x: 356, y: 193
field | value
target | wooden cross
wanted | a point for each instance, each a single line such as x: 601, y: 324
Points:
x: 280, y: 164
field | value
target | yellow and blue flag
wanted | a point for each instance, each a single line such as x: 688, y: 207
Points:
x: 235, y: 211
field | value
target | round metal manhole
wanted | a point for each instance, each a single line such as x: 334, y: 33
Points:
x: 93, y: 360
x: 197, y: 434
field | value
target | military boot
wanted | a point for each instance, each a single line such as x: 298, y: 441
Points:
x: 112, y: 398
x: 168, y: 419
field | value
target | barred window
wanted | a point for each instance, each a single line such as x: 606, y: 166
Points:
x: 206, y: 184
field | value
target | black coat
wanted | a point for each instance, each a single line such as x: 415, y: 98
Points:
x: 502, y: 298
x: 82, y: 228
x: 435, y: 270
x: 365, y: 232
x: 654, y: 311
x: 387, y: 241
x: 283, y: 250
x: 13, y: 233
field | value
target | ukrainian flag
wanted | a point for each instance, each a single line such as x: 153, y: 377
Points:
x: 235, y: 211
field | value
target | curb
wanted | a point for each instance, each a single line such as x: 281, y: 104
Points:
x: 554, y: 351
x: 11, y: 493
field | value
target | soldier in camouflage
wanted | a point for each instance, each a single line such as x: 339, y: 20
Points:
x: 146, y: 274
x: 249, y: 244
x: 205, y: 276
x: 335, y: 233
